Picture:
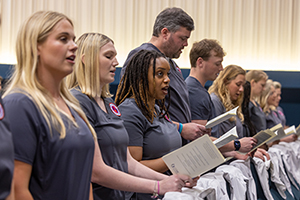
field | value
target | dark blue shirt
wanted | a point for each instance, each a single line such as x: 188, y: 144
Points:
x: 201, y: 105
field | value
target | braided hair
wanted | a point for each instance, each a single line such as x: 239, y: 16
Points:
x: 135, y: 84
x: 245, y: 109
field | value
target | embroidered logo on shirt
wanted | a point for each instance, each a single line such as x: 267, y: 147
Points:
x: 115, y: 109
x: 1, y: 112
x: 281, y: 113
x: 178, y: 69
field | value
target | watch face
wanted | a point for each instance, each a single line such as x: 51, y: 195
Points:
x: 237, y: 145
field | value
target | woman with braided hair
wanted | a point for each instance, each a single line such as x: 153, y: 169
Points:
x: 140, y: 97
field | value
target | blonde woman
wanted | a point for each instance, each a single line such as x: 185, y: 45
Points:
x: 280, y: 112
x: 227, y: 93
x: 94, y: 69
x: 257, y: 80
x: 53, y: 141
x: 269, y: 102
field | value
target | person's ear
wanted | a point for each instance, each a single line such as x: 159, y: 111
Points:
x: 199, y: 62
x: 38, y: 49
x: 252, y: 82
x: 165, y: 33
x: 226, y: 81
x: 82, y: 58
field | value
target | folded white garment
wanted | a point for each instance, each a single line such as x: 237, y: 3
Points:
x: 278, y: 175
x: 262, y: 170
x: 290, y: 162
x: 244, y: 166
x: 186, y: 194
x: 295, y: 146
x: 214, y: 180
x: 210, y: 186
x: 236, y: 179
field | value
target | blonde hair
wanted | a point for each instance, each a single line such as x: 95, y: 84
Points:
x: 256, y: 75
x: 219, y: 88
x: 35, y: 30
x: 277, y: 85
x: 263, y: 100
x: 86, y: 74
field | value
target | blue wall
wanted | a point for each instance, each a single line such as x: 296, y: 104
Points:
x: 290, y: 98
x: 5, y: 70
x: 290, y: 82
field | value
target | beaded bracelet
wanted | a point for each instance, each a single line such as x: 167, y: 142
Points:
x: 155, y: 193
x: 180, y: 128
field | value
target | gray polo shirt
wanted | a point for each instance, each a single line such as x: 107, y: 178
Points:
x: 6, y: 154
x: 61, y: 168
x: 272, y: 119
x: 281, y: 115
x: 112, y: 139
x: 228, y: 124
x: 157, y: 138
x: 257, y: 117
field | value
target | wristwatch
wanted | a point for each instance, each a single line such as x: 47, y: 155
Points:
x: 237, y: 144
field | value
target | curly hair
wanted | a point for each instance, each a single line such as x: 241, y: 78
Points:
x: 219, y: 88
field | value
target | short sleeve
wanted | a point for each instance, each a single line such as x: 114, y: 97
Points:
x: 219, y: 108
x: 134, y: 122
x: 86, y: 106
x: 200, y: 106
x: 23, y: 116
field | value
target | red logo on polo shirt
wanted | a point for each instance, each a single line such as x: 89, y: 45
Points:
x: 114, y: 109
x: 1, y: 112
x: 178, y: 69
